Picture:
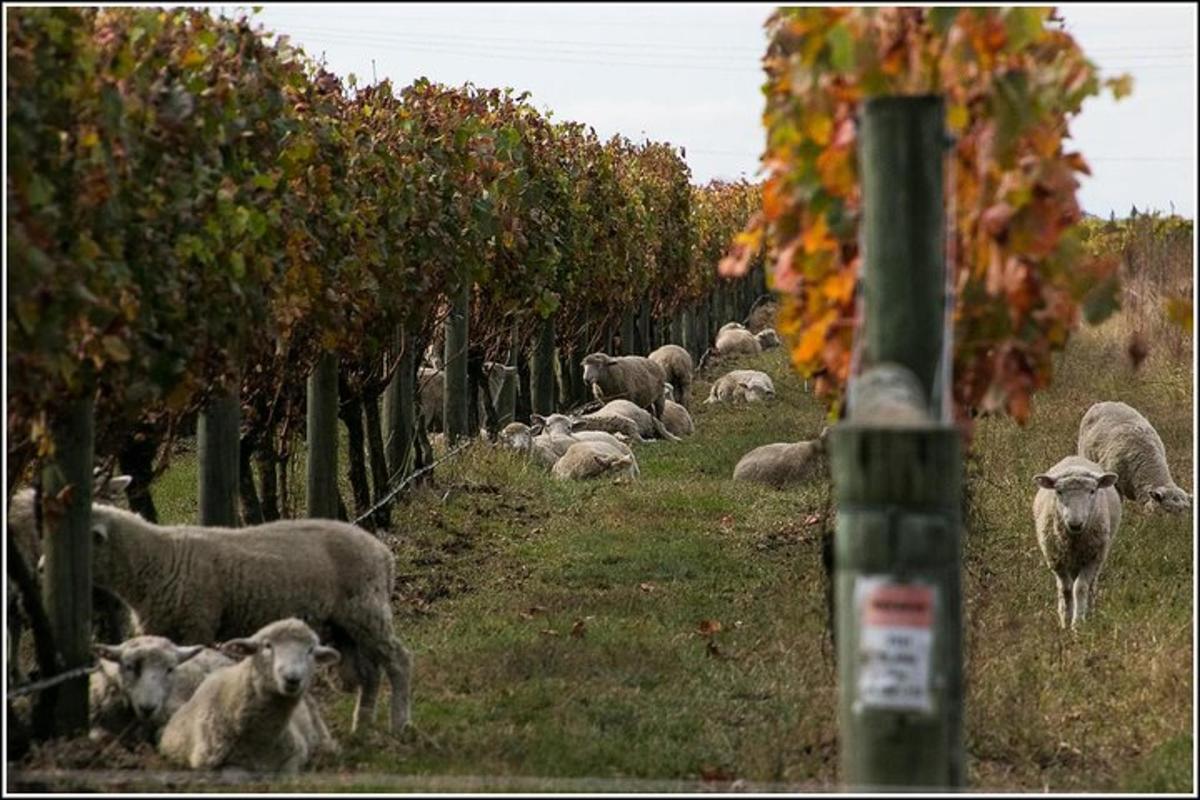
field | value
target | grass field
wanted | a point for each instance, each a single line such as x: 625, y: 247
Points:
x: 565, y: 631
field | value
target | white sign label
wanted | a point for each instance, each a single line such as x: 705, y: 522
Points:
x: 895, y: 644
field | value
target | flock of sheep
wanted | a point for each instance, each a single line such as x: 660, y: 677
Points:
x: 287, y: 597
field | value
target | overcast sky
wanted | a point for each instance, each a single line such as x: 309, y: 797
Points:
x: 689, y: 74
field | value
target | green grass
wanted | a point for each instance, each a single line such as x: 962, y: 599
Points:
x: 497, y: 564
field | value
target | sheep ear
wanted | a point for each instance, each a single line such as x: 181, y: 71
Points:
x: 240, y: 648
x: 326, y: 655
x: 1106, y: 480
x: 610, y: 361
x: 1157, y: 493
x: 108, y: 652
x: 182, y: 654
x: 537, y: 419
x: 112, y: 487
x: 1044, y: 481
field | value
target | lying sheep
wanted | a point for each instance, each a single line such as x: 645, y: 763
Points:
x: 520, y: 436
x: 647, y: 425
x: 888, y: 393
x: 142, y: 682
x: 633, y: 378
x: 676, y: 418
x: 616, y: 424
x: 762, y: 316
x: 584, y: 460
x: 678, y: 367
x: 197, y: 584
x: 783, y: 464
x: 1077, y: 512
x: 767, y: 338
x: 745, y: 385
x: 731, y: 326
x: 253, y: 715
x: 737, y: 342
x: 431, y: 388
x: 1121, y: 440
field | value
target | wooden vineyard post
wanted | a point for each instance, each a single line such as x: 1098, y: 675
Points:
x: 455, y: 402
x: 541, y: 365
x: 898, y: 488
x: 322, y: 438
x: 67, y: 586
x: 218, y: 446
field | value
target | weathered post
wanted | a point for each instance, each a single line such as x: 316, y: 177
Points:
x: 456, y: 402
x: 218, y: 446
x: 541, y: 365
x: 322, y: 438
x: 507, y: 402
x: 67, y: 589
x: 898, y: 487
x: 398, y: 412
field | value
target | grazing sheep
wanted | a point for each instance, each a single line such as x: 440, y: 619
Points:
x: 253, y: 715
x: 676, y: 418
x: 198, y: 584
x: 1121, y: 440
x: 737, y: 342
x: 767, y: 338
x: 748, y: 385
x: 431, y: 387
x: 888, y: 393
x: 584, y: 460
x: 633, y: 378
x: 1077, y: 512
x: 783, y: 464
x: 646, y: 425
x: 143, y: 681
x: 677, y: 364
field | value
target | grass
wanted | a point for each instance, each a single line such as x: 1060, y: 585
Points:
x: 556, y: 626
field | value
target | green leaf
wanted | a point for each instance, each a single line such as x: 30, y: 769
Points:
x: 1102, y: 300
x: 117, y: 349
x: 942, y: 17
x: 1023, y: 25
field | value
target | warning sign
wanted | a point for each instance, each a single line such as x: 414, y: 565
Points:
x: 895, y: 643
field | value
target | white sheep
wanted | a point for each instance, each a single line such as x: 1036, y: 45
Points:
x: 675, y: 417
x: 254, y: 715
x: 633, y: 378
x: 748, y: 385
x: 678, y: 367
x: 783, y: 464
x: 584, y: 460
x: 767, y: 338
x: 143, y: 681
x: 1121, y: 440
x: 737, y: 342
x: 731, y: 326
x: 1077, y: 512
x: 196, y: 584
x: 647, y: 425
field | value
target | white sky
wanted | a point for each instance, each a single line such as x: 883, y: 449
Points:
x: 689, y: 74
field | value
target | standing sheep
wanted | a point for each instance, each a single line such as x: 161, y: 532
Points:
x: 1077, y: 513
x: 254, y: 715
x: 197, y: 584
x: 677, y: 364
x: 783, y: 464
x: 584, y: 460
x: 633, y: 378
x: 737, y: 342
x: 1121, y: 440
x: 143, y: 681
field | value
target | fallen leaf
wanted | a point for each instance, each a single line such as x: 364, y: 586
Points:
x: 549, y: 632
x: 708, y: 627
x: 647, y: 587
x: 578, y: 629
x: 532, y: 612
x: 812, y: 519
x: 711, y: 774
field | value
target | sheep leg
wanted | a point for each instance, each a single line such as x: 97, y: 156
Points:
x: 399, y: 670
x: 1080, y: 588
x: 1064, y: 599
x: 368, y: 693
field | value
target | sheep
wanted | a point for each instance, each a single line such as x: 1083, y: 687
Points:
x: 201, y: 584
x: 616, y: 424
x: 646, y: 424
x: 254, y: 715
x: 762, y: 316
x: 1077, y: 512
x: 737, y: 342
x: 675, y: 417
x: 1121, y: 440
x: 559, y: 427
x: 584, y: 460
x: 634, y: 378
x: 767, y: 338
x: 783, y: 464
x: 749, y: 385
x: 143, y: 681
x: 520, y: 436
x: 677, y: 364
x: 431, y: 387
x: 731, y: 326
x: 888, y: 393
